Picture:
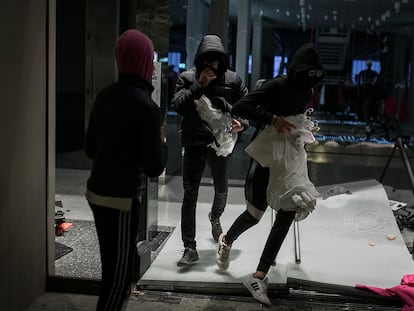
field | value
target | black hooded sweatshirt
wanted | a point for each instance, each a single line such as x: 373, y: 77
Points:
x: 283, y: 95
x: 223, y: 92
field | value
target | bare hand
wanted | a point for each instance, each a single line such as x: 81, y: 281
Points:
x: 281, y: 125
x: 236, y: 126
x: 206, y: 76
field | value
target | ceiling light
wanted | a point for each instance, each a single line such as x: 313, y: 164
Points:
x: 287, y: 13
x: 360, y: 18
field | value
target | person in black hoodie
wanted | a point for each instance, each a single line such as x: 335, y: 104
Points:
x: 268, y: 105
x: 123, y: 140
x: 208, y: 87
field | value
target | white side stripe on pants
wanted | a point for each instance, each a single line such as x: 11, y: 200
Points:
x: 121, y: 269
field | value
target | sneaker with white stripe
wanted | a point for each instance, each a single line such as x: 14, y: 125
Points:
x: 258, y: 289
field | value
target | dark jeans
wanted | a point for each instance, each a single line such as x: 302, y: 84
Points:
x: 255, y: 190
x: 117, y: 234
x: 194, y: 162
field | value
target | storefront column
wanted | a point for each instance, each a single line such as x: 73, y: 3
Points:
x: 197, y: 25
x: 243, y: 39
x: 219, y: 19
x: 399, y: 61
x: 257, y: 49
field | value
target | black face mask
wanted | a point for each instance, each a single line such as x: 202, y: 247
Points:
x: 215, y: 71
x: 308, y: 79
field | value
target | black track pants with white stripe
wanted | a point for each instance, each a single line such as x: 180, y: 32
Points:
x: 117, y: 233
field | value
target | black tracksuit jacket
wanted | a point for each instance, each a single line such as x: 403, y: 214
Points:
x: 123, y: 138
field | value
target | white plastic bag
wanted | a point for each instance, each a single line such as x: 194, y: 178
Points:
x: 220, y: 123
x: 289, y: 186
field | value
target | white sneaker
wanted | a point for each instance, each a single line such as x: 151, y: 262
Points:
x: 223, y: 253
x: 258, y: 289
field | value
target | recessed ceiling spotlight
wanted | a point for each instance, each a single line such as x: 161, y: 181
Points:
x: 277, y: 10
x: 287, y: 13
x: 369, y: 18
x: 326, y: 17
x: 360, y: 18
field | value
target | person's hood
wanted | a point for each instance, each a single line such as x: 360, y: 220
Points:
x: 135, y: 54
x: 304, y: 60
x: 211, y: 48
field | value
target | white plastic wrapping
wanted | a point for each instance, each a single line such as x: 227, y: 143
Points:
x: 284, y: 153
x: 220, y: 123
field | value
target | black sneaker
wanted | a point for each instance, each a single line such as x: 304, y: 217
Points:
x: 190, y: 257
x: 216, y: 229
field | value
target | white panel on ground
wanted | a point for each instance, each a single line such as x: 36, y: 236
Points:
x: 344, y: 241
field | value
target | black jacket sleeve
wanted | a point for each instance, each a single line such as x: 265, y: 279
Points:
x: 187, y: 90
x: 253, y: 106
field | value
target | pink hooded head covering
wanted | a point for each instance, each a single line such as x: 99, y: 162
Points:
x: 135, y: 53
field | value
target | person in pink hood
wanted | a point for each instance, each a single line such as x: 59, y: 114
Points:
x: 123, y: 140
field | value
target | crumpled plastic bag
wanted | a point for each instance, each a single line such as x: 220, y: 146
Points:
x: 289, y: 186
x: 220, y: 123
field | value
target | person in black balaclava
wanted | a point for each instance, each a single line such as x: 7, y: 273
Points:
x: 204, y: 95
x: 268, y: 105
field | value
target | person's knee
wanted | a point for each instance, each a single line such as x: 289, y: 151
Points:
x: 255, y: 213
